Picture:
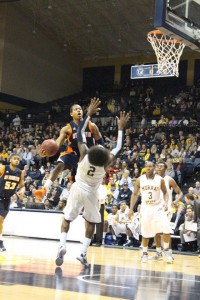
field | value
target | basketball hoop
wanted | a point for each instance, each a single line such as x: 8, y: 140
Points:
x: 168, y: 52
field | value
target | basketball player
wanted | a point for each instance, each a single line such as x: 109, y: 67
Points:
x: 153, y: 217
x: 171, y: 186
x: 11, y: 177
x: 83, y: 194
x: 69, y: 158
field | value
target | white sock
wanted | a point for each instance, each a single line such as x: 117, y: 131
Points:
x: 63, y: 239
x: 144, y: 249
x: 48, y: 184
x: 114, y: 237
x: 158, y: 249
x: 1, y: 237
x: 104, y: 234
x: 166, y: 245
x: 86, y: 244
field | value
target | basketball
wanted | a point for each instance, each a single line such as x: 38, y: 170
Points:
x: 50, y: 147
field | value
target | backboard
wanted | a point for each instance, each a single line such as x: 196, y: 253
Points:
x: 179, y: 19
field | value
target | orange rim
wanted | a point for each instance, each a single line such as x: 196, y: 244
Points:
x: 159, y: 32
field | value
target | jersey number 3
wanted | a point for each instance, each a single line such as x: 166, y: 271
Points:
x: 91, y: 171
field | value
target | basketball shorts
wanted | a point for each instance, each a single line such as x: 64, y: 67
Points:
x: 135, y: 229
x: 119, y: 228
x: 153, y: 220
x: 4, y: 207
x: 70, y: 160
x: 80, y: 199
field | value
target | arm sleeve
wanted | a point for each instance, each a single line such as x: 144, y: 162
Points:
x: 81, y: 130
x: 119, y: 143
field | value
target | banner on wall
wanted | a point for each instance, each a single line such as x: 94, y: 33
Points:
x: 147, y: 71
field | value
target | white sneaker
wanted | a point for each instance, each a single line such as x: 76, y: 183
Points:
x: 83, y: 259
x: 60, y: 256
x: 157, y: 256
x: 144, y: 258
x: 168, y: 256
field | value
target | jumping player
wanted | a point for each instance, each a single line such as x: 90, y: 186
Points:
x: 11, y: 178
x: 69, y: 158
x: 83, y: 194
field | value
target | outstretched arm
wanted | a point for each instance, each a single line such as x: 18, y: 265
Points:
x: 122, y: 120
x: 81, y: 138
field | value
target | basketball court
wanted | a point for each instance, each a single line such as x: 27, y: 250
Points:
x: 28, y: 271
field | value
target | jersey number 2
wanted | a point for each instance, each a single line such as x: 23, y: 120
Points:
x: 91, y: 171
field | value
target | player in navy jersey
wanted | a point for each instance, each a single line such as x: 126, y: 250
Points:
x: 70, y: 157
x: 11, y: 178
x: 84, y: 191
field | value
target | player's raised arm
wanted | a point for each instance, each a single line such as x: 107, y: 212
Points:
x: 81, y: 138
x: 122, y: 121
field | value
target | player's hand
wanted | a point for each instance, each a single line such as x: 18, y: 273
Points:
x: 122, y: 120
x: 94, y: 106
x: 42, y: 152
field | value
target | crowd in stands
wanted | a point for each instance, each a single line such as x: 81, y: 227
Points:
x: 165, y: 128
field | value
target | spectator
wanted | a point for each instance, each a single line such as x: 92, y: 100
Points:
x: 183, y: 230
x: 124, y: 194
x: 197, y: 188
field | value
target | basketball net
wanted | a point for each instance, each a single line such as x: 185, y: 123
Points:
x: 168, y: 52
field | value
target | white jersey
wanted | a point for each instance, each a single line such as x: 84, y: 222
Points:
x: 150, y: 189
x: 89, y: 177
x: 123, y: 215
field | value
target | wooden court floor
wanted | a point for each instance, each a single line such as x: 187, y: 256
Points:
x: 28, y: 271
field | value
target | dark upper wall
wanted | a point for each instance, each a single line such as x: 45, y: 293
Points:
x: 35, y: 68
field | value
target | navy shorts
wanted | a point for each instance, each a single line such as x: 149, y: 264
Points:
x: 70, y: 160
x: 4, y: 207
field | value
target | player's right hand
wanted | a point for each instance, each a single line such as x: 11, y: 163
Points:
x: 94, y: 106
x: 42, y: 153
x: 122, y: 120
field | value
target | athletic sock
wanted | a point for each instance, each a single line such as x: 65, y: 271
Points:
x: 144, y: 249
x: 86, y: 244
x: 166, y: 245
x: 63, y: 239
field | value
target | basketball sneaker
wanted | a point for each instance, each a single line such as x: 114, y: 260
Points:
x: 144, y: 258
x: 60, y: 256
x: 83, y: 259
x: 2, y: 247
x: 39, y: 194
x: 157, y: 256
x: 128, y: 244
x: 168, y: 256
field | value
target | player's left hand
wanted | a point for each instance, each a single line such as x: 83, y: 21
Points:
x: 94, y: 106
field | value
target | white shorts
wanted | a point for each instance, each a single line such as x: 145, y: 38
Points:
x: 135, y: 229
x: 80, y: 199
x: 119, y: 228
x: 153, y: 220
